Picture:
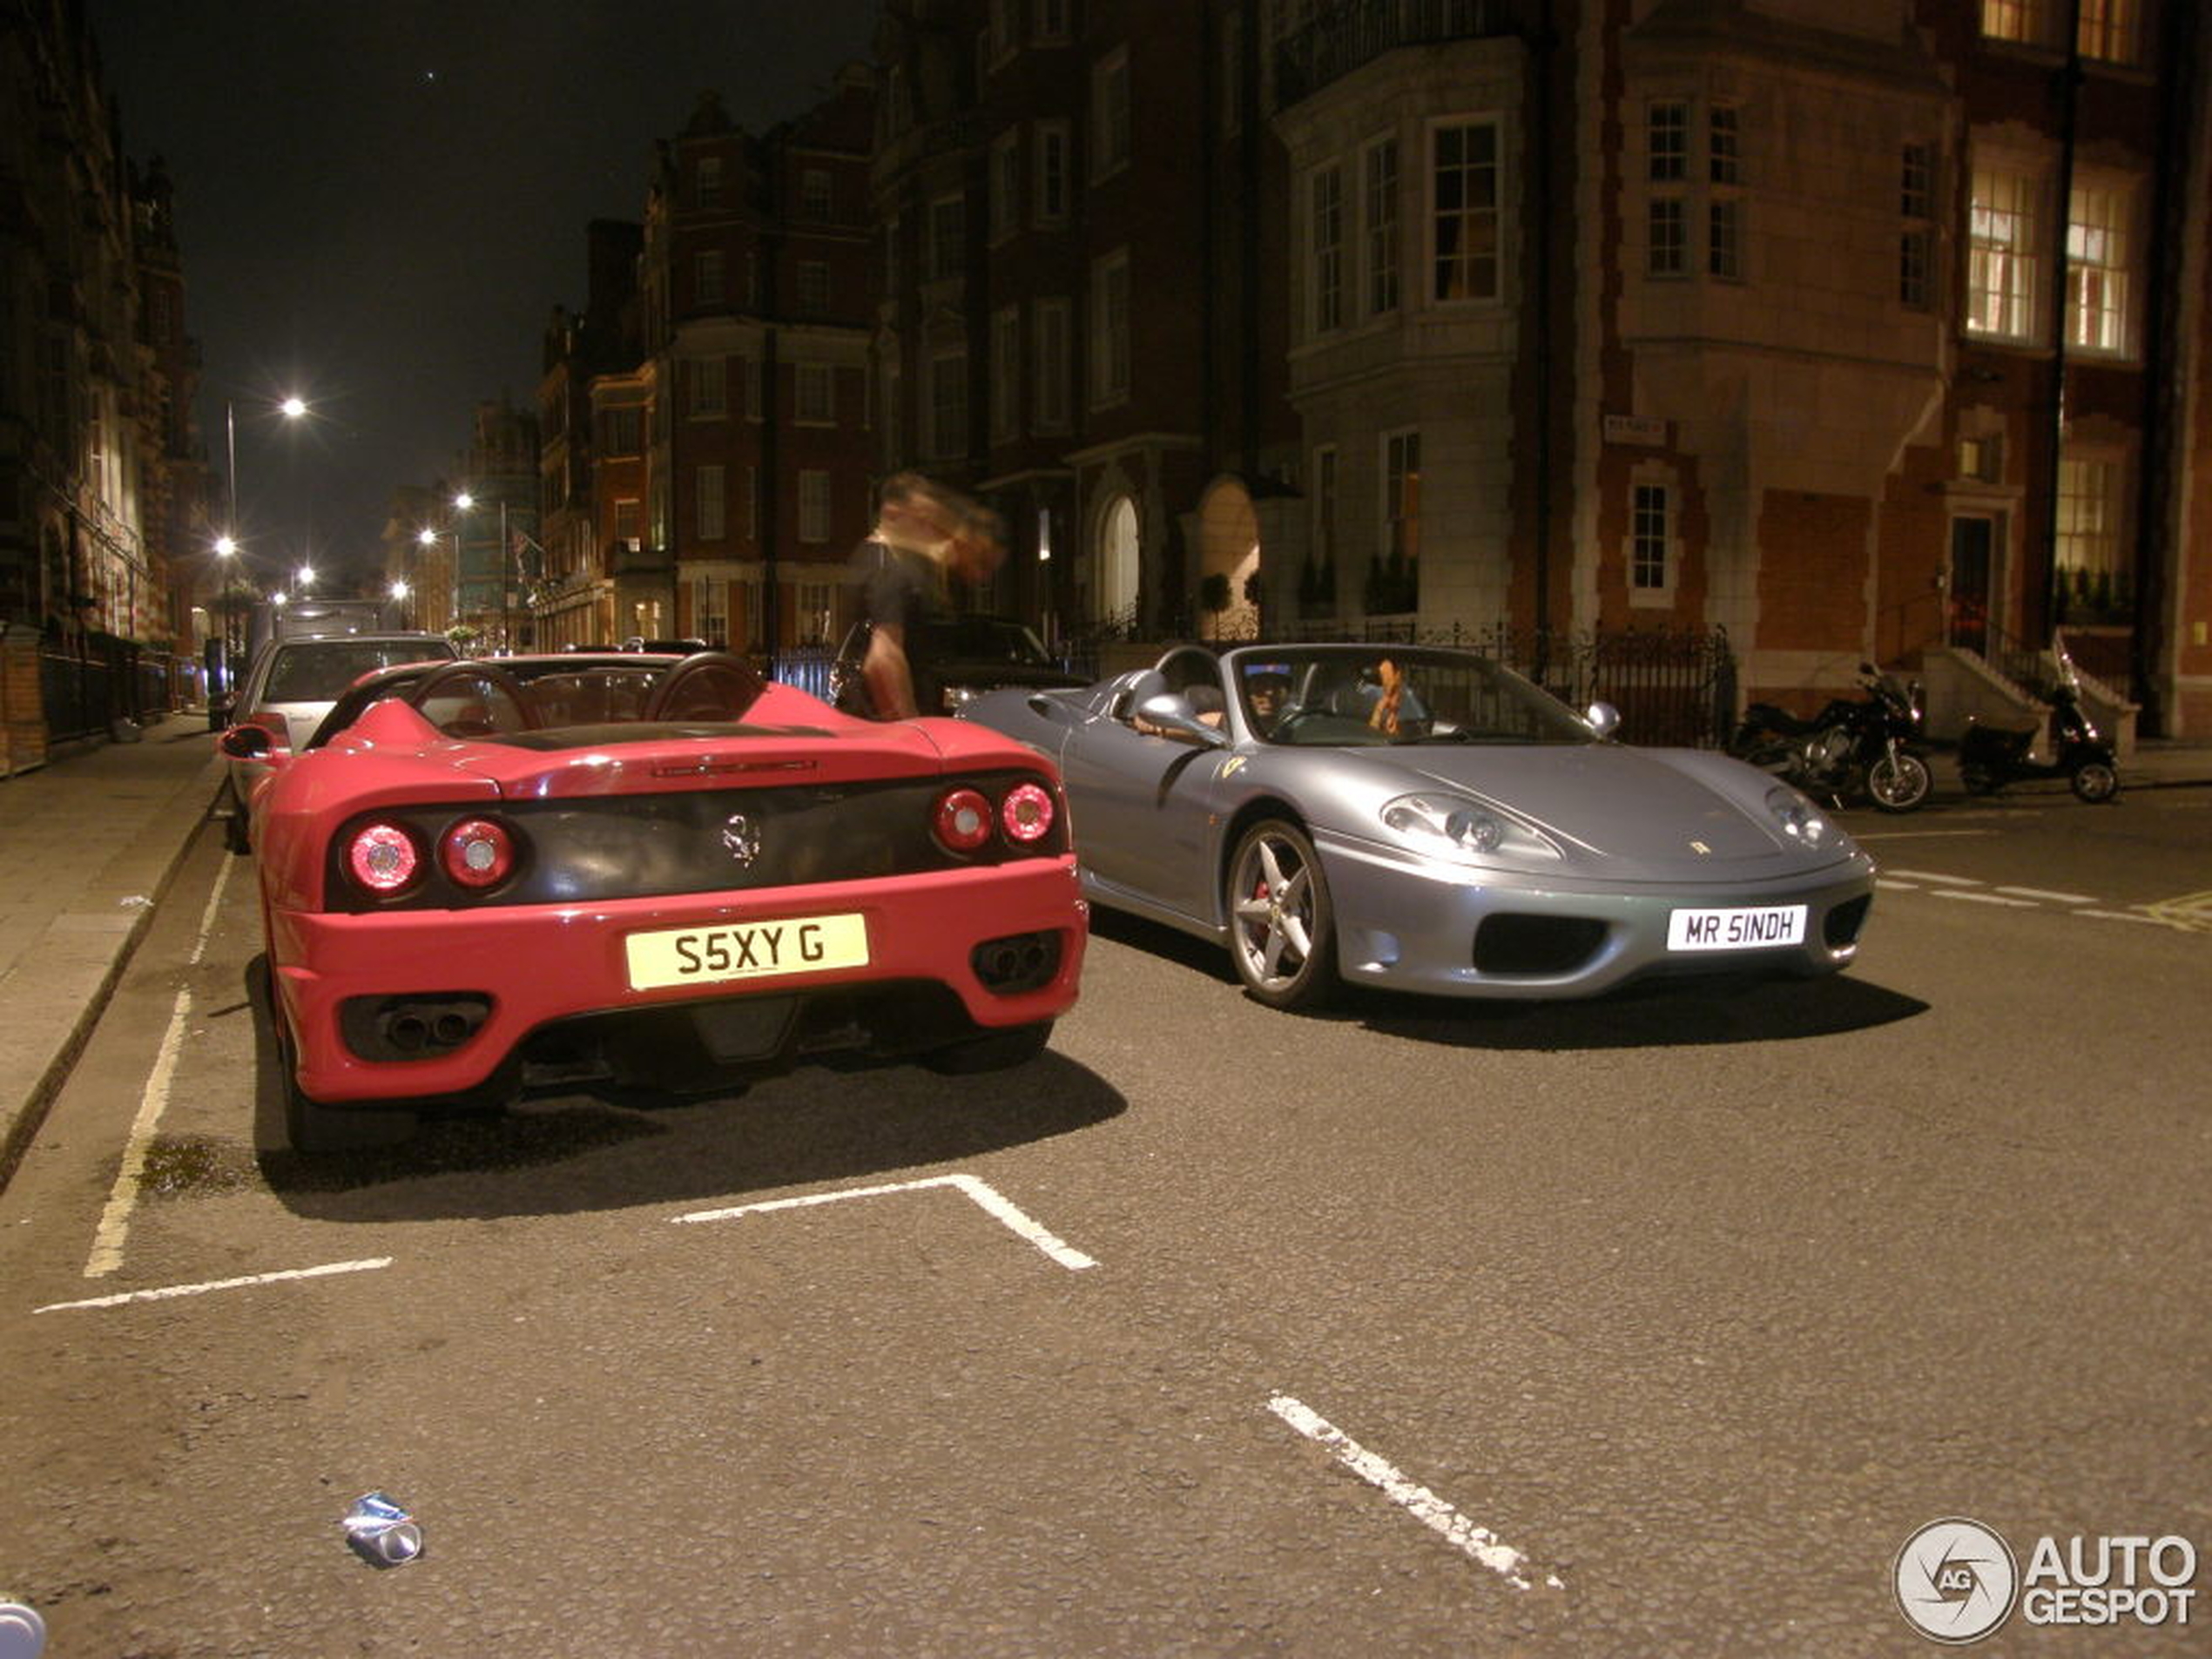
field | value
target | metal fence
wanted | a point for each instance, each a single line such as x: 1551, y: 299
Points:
x: 85, y: 686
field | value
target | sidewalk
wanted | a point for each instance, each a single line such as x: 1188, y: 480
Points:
x: 87, y: 844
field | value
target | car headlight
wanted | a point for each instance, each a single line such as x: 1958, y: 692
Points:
x: 1801, y: 821
x: 1447, y: 826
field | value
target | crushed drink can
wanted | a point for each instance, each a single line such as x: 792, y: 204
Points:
x: 381, y: 1531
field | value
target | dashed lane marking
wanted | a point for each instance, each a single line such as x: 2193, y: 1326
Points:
x: 1440, y: 1517
x: 168, y: 1291
x: 1986, y: 897
x: 1936, y: 876
x: 2051, y: 898
x: 988, y: 1197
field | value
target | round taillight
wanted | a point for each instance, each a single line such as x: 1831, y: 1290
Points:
x: 1027, y: 813
x: 477, y: 853
x: 963, y: 821
x: 383, y: 858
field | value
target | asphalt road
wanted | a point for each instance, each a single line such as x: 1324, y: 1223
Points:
x: 1653, y: 1325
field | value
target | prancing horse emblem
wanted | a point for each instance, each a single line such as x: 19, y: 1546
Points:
x: 1694, y: 847
x: 741, y: 839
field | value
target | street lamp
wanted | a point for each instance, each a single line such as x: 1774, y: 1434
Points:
x: 399, y: 598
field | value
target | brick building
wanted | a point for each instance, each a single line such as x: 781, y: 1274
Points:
x: 1752, y: 315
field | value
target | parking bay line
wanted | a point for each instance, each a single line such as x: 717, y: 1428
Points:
x: 168, y: 1291
x: 993, y: 1203
x: 115, y: 1217
x: 1440, y: 1517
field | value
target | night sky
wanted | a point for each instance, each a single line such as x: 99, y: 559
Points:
x: 379, y: 204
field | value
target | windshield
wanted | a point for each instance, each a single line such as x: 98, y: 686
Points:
x: 1395, y: 695
x: 316, y: 671
x: 988, y: 639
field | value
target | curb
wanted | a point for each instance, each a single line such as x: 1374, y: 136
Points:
x: 142, y: 871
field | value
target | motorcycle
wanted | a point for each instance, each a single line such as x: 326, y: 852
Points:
x: 1856, y: 745
x: 1991, y: 757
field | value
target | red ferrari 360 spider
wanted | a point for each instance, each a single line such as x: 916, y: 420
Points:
x: 480, y: 879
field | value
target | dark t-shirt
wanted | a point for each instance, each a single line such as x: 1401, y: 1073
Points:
x: 905, y: 589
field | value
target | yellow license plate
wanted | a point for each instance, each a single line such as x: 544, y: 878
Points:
x: 745, y: 950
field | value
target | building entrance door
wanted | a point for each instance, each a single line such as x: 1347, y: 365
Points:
x: 1974, y: 541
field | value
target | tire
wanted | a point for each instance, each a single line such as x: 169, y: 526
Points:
x: 233, y: 812
x: 1899, y: 783
x: 1001, y: 1051
x: 314, y: 1129
x: 1282, y: 927
x: 2095, y: 782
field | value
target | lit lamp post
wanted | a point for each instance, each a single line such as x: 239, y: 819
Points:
x: 399, y: 598
x: 227, y: 547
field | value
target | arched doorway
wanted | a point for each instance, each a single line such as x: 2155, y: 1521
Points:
x: 1118, y: 563
x: 1229, y: 550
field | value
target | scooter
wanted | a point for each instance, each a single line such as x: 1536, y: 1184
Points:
x: 1991, y: 757
x: 1855, y: 745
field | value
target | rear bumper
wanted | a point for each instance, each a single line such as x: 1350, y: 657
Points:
x: 538, y: 965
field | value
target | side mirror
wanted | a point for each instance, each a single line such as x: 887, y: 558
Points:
x: 1602, y: 718
x: 1171, y: 714
x: 244, y: 742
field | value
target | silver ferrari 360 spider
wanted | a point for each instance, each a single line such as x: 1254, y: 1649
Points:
x: 1421, y: 818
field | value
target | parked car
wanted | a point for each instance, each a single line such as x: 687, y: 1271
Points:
x: 624, y: 871
x: 972, y: 654
x: 292, y: 686
x: 1423, y: 818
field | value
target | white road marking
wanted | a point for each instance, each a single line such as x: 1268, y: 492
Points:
x: 1986, y: 898
x: 997, y: 1207
x: 2053, y: 897
x: 2130, y: 915
x: 1888, y: 886
x: 1940, y: 879
x: 115, y: 1219
x: 123, y: 1197
x: 1416, y: 1500
x: 168, y: 1291
x: 208, y: 916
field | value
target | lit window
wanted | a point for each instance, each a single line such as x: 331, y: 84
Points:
x: 2108, y: 31
x: 2093, y: 581
x: 2096, y: 274
x: 2020, y: 20
x: 2000, y: 260
x: 710, y: 608
x: 1463, y: 194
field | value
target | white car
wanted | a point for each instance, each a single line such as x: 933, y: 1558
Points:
x: 290, y: 688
